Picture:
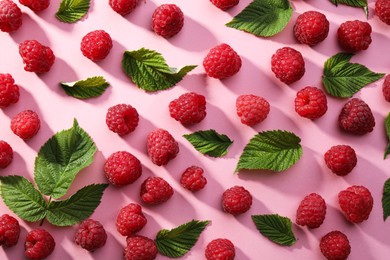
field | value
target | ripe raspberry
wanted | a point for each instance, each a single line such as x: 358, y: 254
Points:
x: 26, y: 124
x: 162, y: 147
x: 6, y: 154
x: 386, y: 88
x: 192, y: 178
x: 167, y: 20
x: 220, y: 249
x: 225, y: 4
x: 354, y: 35
x: 252, y: 109
x: 96, y: 45
x: 140, y: 247
x: 130, y: 220
x: 36, y: 5
x: 122, y: 168
x: 9, y: 230
x: 311, y: 28
x: 123, y: 7
x: 311, y: 211
x: 236, y: 200
x: 9, y: 92
x: 288, y: 65
x: 341, y: 159
x: 382, y: 10
x: 122, y: 119
x: 36, y: 57
x: 356, y: 117
x: 356, y: 203
x: 90, y: 235
x: 188, y: 109
x: 39, y: 244
x: 335, y: 246
x: 155, y: 190
x: 10, y: 16
x: 311, y: 103
x: 222, y: 62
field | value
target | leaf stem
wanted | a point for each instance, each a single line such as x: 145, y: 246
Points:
x: 48, y: 203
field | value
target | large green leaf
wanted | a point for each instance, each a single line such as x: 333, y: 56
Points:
x: 387, y: 128
x: 87, y: 88
x: 209, y: 142
x: 70, y: 11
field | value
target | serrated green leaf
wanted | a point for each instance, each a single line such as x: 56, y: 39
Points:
x: 387, y: 127
x: 263, y: 17
x: 178, y: 241
x: 149, y: 71
x: 87, y: 88
x: 61, y: 158
x: 276, y: 228
x: 353, y: 3
x: 386, y: 200
x: 22, y: 198
x: 274, y: 150
x: 343, y: 79
x: 70, y: 11
x: 209, y: 142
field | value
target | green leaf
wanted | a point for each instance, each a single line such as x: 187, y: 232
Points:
x: 209, y: 142
x: 263, y: 17
x: 77, y: 208
x: 87, y: 88
x: 343, y: 79
x: 386, y: 200
x: 70, y: 11
x: 178, y: 241
x: 149, y: 71
x: 353, y: 3
x: 61, y: 158
x: 387, y: 127
x: 274, y: 150
x: 22, y: 198
x: 276, y: 228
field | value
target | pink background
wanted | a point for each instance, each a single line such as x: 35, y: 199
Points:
x: 272, y: 192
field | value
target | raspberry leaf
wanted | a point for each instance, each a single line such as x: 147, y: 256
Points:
x: 178, y: 241
x: 343, y: 79
x: 387, y: 127
x: 149, y: 71
x: 276, y: 228
x: 353, y: 3
x: 274, y: 150
x: 71, y: 11
x: 386, y: 200
x: 87, y: 88
x: 209, y: 142
x: 263, y: 18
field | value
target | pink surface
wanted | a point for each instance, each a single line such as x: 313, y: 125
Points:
x: 272, y: 192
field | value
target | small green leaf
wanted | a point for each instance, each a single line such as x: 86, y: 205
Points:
x: 343, y: 79
x: 209, y: 142
x: 276, y: 228
x: 353, y: 3
x: 178, y: 241
x: 275, y: 150
x: 386, y: 200
x: 70, y: 11
x: 87, y: 88
x: 149, y: 71
x: 263, y: 17
x: 387, y: 127
x: 22, y: 198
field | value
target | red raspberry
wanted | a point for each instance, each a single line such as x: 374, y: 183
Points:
x: 192, y: 178
x: 311, y: 28
x: 26, y: 124
x: 354, y: 35
x: 39, y: 244
x: 225, y: 4
x: 96, y: 45
x: 220, y: 249
x: 36, y: 57
x: 140, y: 248
x: 386, y: 88
x: 356, y: 203
x: 311, y: 211
x: 236, y: 200
x: 311, y: 103
x: 123, y: 7
x: 188, y: 109
x: 6, y: 154
x: 341, y: 159
x: 9, y: 92
x: 288, y: 65
x: 252, y: 109
x: 122, y: 168
x: 90, y: 235
x: 9, y: 230
x: 162, y: 147
x: 356, y: 117
x: 36, y: 5
x: 130, y: 220
x: 382, y: 10
x: 122, y: 119
x: 335, y: 246
x: 155, y: 190
x: 222, y: 62
x: 10, y: 16
x: 167, y: 20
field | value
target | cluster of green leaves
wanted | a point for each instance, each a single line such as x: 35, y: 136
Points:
x: 71, y: 11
